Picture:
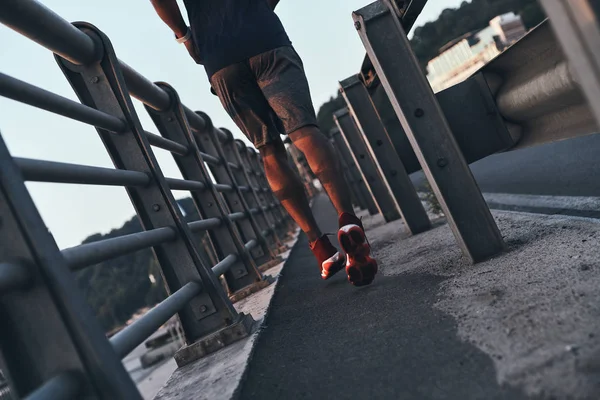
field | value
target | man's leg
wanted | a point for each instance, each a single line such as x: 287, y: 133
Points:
x: 280, y: 75
x: 324, y: 163
x: 245, y: 102
x: 288, y: 188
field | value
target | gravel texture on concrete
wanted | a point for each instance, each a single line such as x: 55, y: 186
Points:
x: 535, y: 310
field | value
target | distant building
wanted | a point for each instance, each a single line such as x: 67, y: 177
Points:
x: 463, y: 56
x: 509, y: 27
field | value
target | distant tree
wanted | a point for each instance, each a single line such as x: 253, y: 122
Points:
x: 325, y: 114
x: 117, y: 288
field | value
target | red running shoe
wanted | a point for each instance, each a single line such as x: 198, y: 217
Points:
x: 361, y: 268
x: 330, y: 260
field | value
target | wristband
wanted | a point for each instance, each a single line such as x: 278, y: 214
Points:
x: 185, y: 38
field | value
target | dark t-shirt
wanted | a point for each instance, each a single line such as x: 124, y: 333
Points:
x: 230, y: 31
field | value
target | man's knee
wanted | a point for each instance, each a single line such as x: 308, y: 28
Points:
x: 271, y: 149
x: 307, y: 132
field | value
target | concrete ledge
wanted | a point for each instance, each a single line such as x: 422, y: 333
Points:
x: 216, y: 341
x: 249, y: 290
x: 219, y: 375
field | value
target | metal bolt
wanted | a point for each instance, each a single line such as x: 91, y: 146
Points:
x: 379, y: 143
x: 419, y: 112
x: 442, y: 162
x: 210, y: 204
x: 170, y: 119
x: 362, y: 156
x: 240, y: 272
x: 357, y: 25
x: 95, y: 79
x: 203, y: 308
x: 156, y: 207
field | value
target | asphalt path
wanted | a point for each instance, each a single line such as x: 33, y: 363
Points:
x: 565, y: 168
x: 329, y: 340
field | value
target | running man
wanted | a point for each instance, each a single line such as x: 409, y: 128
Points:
x: 260, y: 80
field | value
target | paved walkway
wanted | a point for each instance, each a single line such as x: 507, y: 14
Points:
x: 385, y: 341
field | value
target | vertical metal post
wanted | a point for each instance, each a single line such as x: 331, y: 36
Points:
x: 386, y: 159
x: 287, y: 225
x: 210, y: 143
x: 426, y: 126
x: 303, y: 169
x: 367, y: 166
x: 357, y: 198
x: 267, y: 198
x: 265, y: 219
x: 362, y: 191
x: 294, y: 165
x: 173, y: 124
x: 47, y: 326
x: 240, y: 178
x: 577, y: 27
x: 102, y: 86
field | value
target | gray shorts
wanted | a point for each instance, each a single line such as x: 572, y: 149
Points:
x: 266, y: 95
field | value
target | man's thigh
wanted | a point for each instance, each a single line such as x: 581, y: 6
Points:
x: 281, y: 77
x: 244, y: 101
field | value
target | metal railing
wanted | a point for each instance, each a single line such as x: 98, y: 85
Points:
x: 52, y: 346
x: 543, y: 88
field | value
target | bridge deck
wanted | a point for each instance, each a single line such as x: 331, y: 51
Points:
x: 386, y: 341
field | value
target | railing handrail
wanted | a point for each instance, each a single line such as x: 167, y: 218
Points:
x: 238, y: 206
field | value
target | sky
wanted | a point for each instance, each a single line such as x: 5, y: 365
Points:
x: 321, y: 31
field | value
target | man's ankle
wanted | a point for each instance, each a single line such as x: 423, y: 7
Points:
x: 346, y: 218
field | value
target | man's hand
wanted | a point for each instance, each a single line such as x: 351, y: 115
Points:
x: 191, y: 47
x: 168, y: 11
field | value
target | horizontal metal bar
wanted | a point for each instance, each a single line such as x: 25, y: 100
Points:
x: 182, y: 184
x: 40, y: 24
x: 26, y: 93
x: 267, y: 232
x: 205, y: 224
x: 84, y: 255
x: 237, y: 216
x: 224, y: 265
x: 13, y: 277
x: 35, y: 21
x: 50, y: 171
x: 223, y: 188
x: 251, y: 244
x: 166, y: 144
x: 144, y: 90
x: 129, y: 338
x: 211, y: 160
x: 65, y: 386
x: 196, y: 122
